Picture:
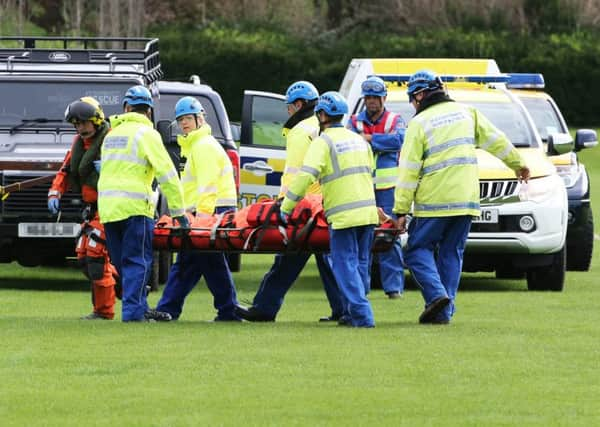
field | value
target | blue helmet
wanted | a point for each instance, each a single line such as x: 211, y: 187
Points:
x: 188, y: 105
x: 423, y: 80
x: 373, y: 86
x: 333, y: 103
x: 137, y: 95
x: 301, y: 90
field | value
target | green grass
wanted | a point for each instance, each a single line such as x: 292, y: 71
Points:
x: 510, y: 357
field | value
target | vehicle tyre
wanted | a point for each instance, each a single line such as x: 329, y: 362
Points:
x: 509, y: 273
x: 375, y: 276
x: 579, y: 255
x: 235, y: 261
x: 549, y: 278
x: 161, y: 264
x: 165, y: 260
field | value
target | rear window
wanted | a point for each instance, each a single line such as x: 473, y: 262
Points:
x: 167, y: 112
x: 29, y: 100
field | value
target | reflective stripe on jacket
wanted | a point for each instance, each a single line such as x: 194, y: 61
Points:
x: 341, y: 160
x: 207, y: 178
x: 386, y: 141
x: 438, y: 164
x: 132, y: 156
x: 298, y: 139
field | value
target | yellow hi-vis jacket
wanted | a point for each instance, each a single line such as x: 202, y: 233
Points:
x: 438, y: 164
x: 298, y: 139
x: 341, y: 160
x: 132, y: 156
x: 207, y: 177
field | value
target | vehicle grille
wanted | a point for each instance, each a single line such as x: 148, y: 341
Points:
x: 33, y: 202
x: 499, y: 191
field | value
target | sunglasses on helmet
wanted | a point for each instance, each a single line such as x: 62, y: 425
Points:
x: 372, y: 85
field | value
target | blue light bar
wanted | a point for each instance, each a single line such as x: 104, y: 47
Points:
x: 526, y: 81
x: 451, y: 78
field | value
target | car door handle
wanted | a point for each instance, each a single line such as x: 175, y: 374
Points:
x: 259, y: 167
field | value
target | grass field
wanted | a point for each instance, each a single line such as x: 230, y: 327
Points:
x: 510, y: 357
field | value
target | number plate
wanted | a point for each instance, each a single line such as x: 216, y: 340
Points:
x: 48, y: 229
x: 487, y: 216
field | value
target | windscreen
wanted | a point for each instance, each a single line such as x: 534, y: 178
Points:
x: 167, y: 112
x: 508, y: 117
x: 30, y: 100
x: 544, y: 116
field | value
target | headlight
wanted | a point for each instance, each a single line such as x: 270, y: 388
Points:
x: 569, y: 174
x: 538, y: 190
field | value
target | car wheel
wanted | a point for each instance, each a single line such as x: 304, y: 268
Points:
x: 579, y: 256
x: 235, y: 262
x: 509, y: 273
x: 549, y: 278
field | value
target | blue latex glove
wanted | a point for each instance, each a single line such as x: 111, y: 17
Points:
x: 53, y: 205
x: 182, y: 220
x: 284, y: 218
x: 97, y: 164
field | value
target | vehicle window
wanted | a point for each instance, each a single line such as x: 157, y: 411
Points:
x: 268, y: 117
x: 544, y: 116
x: 27, y: 100
x: 167, y: 112
x: 508, y: 117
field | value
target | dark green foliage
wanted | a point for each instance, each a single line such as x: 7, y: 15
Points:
x: 233, y: 59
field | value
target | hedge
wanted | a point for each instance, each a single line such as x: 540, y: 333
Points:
x: 231, y: 60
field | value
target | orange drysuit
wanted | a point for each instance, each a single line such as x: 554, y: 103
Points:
x: 91, y: 250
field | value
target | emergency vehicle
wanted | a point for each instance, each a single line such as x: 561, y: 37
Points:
x: 522, y: 227
x: 39, y: 77
x: 552, y: 127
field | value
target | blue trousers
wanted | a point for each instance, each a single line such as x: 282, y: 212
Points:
x: 129, y: 243
x: 350, y: 256
x: 185, y: 273
x: 391, y: 264
x: 283, y: 273
x: 434, y: 255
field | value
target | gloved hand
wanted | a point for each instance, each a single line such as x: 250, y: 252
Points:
x: 97, y: 164
x: 182, y: 220
x: 53, y: 205
x: 283, y: 217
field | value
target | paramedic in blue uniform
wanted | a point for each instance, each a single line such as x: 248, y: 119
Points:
x: 384, y: 130
x: 300, y: 130
x: 439, y: 179
x: 208, y: 188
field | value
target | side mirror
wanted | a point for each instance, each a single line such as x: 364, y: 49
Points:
x: 559, y: 143
x: 164, y: 128
x: 236, y: 131
x: 585, y: 138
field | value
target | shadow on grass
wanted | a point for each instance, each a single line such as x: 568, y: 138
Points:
x: 32, y: 284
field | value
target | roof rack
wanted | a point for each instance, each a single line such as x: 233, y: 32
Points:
x: 138, y: 53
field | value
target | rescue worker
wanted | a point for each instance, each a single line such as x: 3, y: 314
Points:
x: 438, y: 173
x: 300, y: 130
x: 209, y: 188
x: 341, y: 160
x: 384, y: 130
x: 79, y: 174
x: 132, y: 156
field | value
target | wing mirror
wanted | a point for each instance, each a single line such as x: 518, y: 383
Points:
x: 585, y: 138
x: 559, y: 143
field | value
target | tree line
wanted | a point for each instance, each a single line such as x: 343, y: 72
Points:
x: 276, y: 42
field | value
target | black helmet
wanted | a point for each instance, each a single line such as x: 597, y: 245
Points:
x: 86, y: 108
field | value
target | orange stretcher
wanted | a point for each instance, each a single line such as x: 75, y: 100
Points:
x: 257, y: 228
